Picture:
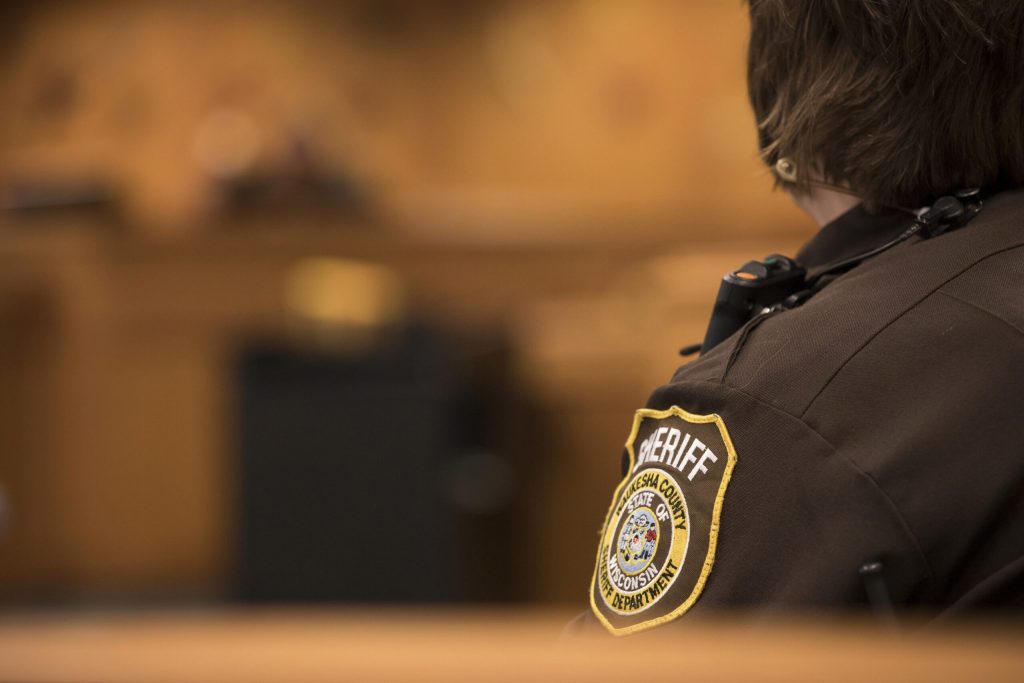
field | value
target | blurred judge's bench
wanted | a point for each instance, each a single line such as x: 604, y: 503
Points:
x: 350, y: 302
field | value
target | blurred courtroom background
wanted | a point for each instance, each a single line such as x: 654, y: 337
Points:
x: 351, y: 301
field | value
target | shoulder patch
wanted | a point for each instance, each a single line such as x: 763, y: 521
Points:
x: 657, y: 546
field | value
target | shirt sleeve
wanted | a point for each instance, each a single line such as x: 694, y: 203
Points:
x: 752, y: 509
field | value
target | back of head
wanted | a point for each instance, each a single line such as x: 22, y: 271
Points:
x: 900, y: 100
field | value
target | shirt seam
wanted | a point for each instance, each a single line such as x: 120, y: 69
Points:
x: 893, y: 508
x: 867, y: 342
x: 979, y: 307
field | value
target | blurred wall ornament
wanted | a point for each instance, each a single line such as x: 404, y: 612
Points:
x: 227, y: 143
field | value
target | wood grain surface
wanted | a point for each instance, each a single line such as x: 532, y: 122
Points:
x: 423, y: 646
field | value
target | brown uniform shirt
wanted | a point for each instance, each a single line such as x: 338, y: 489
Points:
x: 881, y: 421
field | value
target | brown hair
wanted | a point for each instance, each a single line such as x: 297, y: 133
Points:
x: 901, y: 100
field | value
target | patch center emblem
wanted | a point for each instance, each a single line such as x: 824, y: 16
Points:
x: 659, y: 538
x: 638, y: 541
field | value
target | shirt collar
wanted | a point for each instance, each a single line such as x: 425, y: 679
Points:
x: 855, y: 232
